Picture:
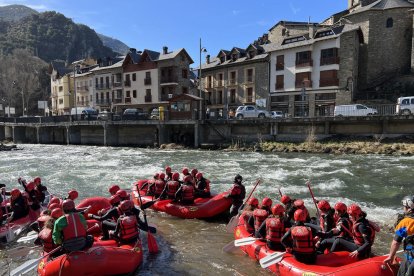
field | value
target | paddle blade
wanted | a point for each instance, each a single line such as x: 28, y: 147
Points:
x: 232, y: 224
x: 147, y: 204
x: 152, y: 244
x: 244, y: 241
x: 24, y: 268
x: 27, y: 238
x: 271, y: 259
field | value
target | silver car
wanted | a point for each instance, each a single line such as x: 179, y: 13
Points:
x: 251, y: 111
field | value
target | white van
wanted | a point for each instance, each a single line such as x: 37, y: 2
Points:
x: 84, y: 113
x: 405, y: 105
x: 354, y: 110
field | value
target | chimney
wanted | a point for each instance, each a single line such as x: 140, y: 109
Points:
x: 312, y: 30
x: 165, y: 50
x: 208, y: 59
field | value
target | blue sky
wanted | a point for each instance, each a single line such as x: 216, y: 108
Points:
x: 152, y: 24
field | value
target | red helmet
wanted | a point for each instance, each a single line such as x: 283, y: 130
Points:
x: 253, y: 202
x: 73, y: 194
x: 115, y: 199
x: 176, y: 176
x: 194, y: 172
x: 156, y: 175
x: 30, y: 186
x: 299, y: 203
x: 56, y: 213
x: 324, y: 206
x: 37, y: 180
x: 185, y: 171
x: 162, y: 176
x: 340, y: 207
x: 54, y: 200
x: 187, y: 178
x: 354, y: 210
x: 199, y: 175
x: 126, y: 205
x: 54, y: 206
x: 267, y: 202
x: 15, y: 193
x: 299, y: 215
x: 278, y: 210
x: 68, y: 205
x: 122, y: 194
x: 285, y: 199
x: 113, y: 189
x: 168, y: 169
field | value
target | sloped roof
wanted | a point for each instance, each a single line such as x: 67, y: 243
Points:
x: 60, y: 68
x: 292, y: 23
x: 216, y: 61
x: 115, y: 65
x: 152, y: 54
x: 384, y: 5
x: 174, y: 54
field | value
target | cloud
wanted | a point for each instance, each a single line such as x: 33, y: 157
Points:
x: 293, y: 9
x: 23, y: 2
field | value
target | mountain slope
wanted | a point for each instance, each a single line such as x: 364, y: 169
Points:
x: 15, y: 12
x: 115, y: 44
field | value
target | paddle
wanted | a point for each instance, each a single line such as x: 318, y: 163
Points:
x: 30, y: 264
x: 280, y: 193
x: 151, y: 242
x: 271, y: 259
x: 28, y: 238
x: 20, y: 251
x: 244, y: 241
x: 235, y: 219
x: 313, y: 198
x: 148, y: 204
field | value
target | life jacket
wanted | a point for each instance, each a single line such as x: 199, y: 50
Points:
x: 187, y: 193
x: 346, y: 225
x: 75, y: 228
x: 259, y: 216
x: 275, y: 229
x: 238, y: 192
x: 244, y: 220
x: 207, y: 189
x: 172, y: 188
x: 408, y: 246
x: 46, y: 236
x: 129, y: 227
x: 40, y: 196
x: 302, y: 239
x: 358, y: 238
x: 151, y: 187
x: 323, y: 221
x: 159, y: 187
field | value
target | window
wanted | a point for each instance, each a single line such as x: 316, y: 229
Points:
x: 60, y: 101
x: 220, y: 81
x: 280, y: 82
x: 233, y: 96
x: 90, y: 98
x: 107, y: 82
x: 148, y: 97
x: 220, y: 97
x: 329, y: 78
x: 303, y: 80
x: 249, y: 97
x: 249, y: 75
x: 234, y: 57
x: 233, y: 77
x: 222, y: 58
x: 185, y: 90
x: 303, y: 59
x: 60, y: 88
x: 128, y: 94
x: 184, y: 73
x: 390, y: 23
x: 134, y: 93
x: 329, y: 56
x: 280, y: 62
x: 147, y: 75
x: 209, y: 81
x: 97, y: 96
x: 252, y: 53
x: 134, y: 77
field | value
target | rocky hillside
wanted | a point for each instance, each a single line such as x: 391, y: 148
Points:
x: 15, y: 12
x: 115, y: 44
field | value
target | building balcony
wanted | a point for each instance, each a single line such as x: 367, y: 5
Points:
x: 165, y: 80
x: 329, y: 60
x: 82, y: 89
x: 301, y: 84
x: 232, y: 82
x: 147, y: 81
x: 127, y: 100
x: 304, y: 63
x: 220, y: 83
x: 102, y: 86
x: 249, y: 79
x: 117, y: 101
x: 328, y: 82
x: 249, y: 100
x: 103, y: 102
x: 117, y: 84
x: 127, y: 83
x: 148, y: 98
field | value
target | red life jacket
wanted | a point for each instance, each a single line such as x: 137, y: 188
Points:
x: 347, y: 229
x: 151, y: 186
x: 75, y: 228
x: 188, y: 193
x: 358, y: 238
x: 207, y: 189
x: 46, y: 236
x: 302, y: 239
x: 236, y: 190
x: 244, y: 220
x: 275, y: 229
x: 39, y: 195
x: 172, y: 188
x: 159, y: 187
x: 259, y: 216
x: 129, y: 227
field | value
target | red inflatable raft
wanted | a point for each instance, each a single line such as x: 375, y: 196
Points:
x: 103, y: 258
x: 335, y: 263
x: 201, y: 208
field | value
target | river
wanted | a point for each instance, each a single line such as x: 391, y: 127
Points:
x: 194, y: 247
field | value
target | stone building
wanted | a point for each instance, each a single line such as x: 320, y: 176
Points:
x: 233, y: 78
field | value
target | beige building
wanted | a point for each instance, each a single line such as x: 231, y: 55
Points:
x: 60, y: 84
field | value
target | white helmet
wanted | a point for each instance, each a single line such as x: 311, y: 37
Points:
x: 408, y: 202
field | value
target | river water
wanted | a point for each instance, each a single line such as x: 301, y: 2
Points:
x: 194, y: 247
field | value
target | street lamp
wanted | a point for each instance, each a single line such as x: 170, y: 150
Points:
x: 201, y: 95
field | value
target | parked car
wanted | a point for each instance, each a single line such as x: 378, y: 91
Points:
x: 354, y: 110
x: 251, y: 111
x: 276, y: 114
x: 104, y: 116
x: 84, y: 113
x: 405, y: 105
x: 155, y: 114
x: 134, y: 114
